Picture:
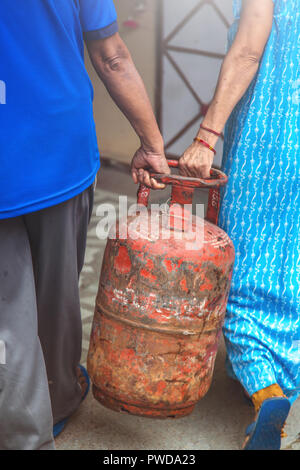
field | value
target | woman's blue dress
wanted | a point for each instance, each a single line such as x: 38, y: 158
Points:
x: 261, y: 211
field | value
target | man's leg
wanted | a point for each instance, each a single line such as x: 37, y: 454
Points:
x: 58, y: 239
x: 25, y: 408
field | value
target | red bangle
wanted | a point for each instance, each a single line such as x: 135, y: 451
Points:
x: 210, y: 130
x: 205, y: 143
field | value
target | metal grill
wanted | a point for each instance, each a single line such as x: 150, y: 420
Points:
x: 186, y: 53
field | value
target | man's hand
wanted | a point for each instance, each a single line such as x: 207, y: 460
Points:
x: 149, y: 159
x: 196, y: 161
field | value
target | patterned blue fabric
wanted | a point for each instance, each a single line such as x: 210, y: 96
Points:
x: 260, y: 211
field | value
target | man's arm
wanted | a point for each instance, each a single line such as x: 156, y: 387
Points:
x: 237, y: 72
x: 113, y: 64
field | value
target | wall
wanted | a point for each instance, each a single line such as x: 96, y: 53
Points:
x: 115, y: 137
x: 205, y: 31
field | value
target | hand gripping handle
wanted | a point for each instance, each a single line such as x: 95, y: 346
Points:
x: 183, y: 189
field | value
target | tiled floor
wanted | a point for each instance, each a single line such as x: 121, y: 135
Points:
x: 218, y: 421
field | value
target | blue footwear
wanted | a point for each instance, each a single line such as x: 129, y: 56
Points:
x: 265, y: 432
x: 59, y: 427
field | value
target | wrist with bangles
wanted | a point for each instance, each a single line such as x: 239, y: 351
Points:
x: 203, y: 142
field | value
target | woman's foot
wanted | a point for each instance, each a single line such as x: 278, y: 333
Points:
x: 272, y: 409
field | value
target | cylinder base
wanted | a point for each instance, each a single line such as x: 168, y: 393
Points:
x: 137, y: 410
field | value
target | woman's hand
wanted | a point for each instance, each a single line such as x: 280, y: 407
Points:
x: 196, y: 161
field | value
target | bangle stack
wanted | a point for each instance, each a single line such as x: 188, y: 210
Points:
x: 201, y: 141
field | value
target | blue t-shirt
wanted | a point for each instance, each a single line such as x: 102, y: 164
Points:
x: 48, y: 144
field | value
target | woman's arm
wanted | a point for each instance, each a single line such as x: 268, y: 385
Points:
x: 237, y: 72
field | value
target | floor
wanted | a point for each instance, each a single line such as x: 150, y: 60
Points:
x: 218, y: 421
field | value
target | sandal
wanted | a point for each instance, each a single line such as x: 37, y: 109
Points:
x: 265, y: 433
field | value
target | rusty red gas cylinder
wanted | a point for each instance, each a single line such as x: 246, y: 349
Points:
x: 161, y: 306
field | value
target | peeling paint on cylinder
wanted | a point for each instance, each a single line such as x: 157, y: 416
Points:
x: 158, y: 318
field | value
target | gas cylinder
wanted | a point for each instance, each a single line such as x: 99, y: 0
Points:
x: 161, y: 305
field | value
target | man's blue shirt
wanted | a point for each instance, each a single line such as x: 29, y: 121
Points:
x: 48, y: 144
